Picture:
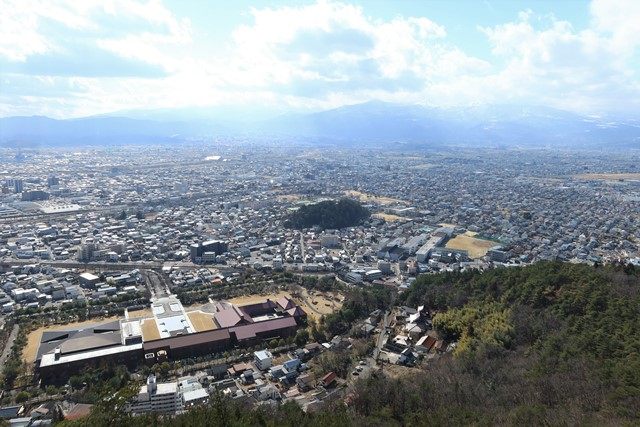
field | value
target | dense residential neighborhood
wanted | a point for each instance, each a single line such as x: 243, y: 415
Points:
x: 201, y: 277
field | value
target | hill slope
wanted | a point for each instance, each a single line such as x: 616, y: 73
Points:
x: 547, y: 344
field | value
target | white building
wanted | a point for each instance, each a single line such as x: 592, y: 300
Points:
x: 157, y: 397
x: 263, y: 359
x: 192, y: 392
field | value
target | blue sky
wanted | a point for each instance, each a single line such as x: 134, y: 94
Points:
x: 65, y: 58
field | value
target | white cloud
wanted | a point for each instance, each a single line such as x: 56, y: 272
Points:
x: 584, y: 70
x: 317, y: 55
x: 127, y: 28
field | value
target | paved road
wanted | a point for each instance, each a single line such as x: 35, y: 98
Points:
x: 83, y: 265
x: 99, y: 265
x: 7, y: 348
x: 302, y: 251
x: 383, y: 333
x: 36, y: 216
x: 156, y: 284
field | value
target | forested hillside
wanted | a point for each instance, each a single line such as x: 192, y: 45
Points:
x: 550, y: 343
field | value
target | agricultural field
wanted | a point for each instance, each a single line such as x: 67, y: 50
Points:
x: 477, y: 248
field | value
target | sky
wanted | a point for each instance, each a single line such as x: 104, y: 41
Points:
x: 74, y: 58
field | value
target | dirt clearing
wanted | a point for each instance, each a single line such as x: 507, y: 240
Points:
x: 477, y: 248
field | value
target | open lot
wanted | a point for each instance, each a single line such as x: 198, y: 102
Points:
x: 446, y: 224
x: 609, y: 176
x: 288, y: 197
x: 315, y: 304
x: 389, y: 217
x: 364, y: 197
x: 33, y: 339
x: 254, y: 298
x: 477, y: 248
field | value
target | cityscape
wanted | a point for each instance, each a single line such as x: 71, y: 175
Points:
x: 199, y: 239
x: 319, y: 213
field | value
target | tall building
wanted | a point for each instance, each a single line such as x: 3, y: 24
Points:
x: 34, y: 195
x: 17, y: 185
x: 85, y: 253
x: 217, y: 247
x: 53, y: 181
x: 157, y: 397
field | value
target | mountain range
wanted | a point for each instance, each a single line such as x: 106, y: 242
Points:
x: 371, y: 123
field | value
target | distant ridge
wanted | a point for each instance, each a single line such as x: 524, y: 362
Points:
x: 361, y: 124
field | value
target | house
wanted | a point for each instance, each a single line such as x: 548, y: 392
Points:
x: 292, y: 364
x: 247, y: 377
x: 328, y: 379
x: 238, y: 369
x: 276, y: 372
x: 401, y: 341
x: 415, y: 329
x: 267, y: 392
x: 305, y: 382
x: 425, y: 344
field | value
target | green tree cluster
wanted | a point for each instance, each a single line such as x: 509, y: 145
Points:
x: 328, y: 214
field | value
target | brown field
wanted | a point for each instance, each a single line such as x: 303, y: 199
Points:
x: 150, y: 330
x: 477, y: 248
x: 33, y: 339
x: 446, y: 224
x: 389, y: 217
x: 364, y: 197
x: 317, y: 304
x: 288, y: 197
x: 609, y: 176
x: 201, y: 321
x: 395, y: 371
x: 252, y: 299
